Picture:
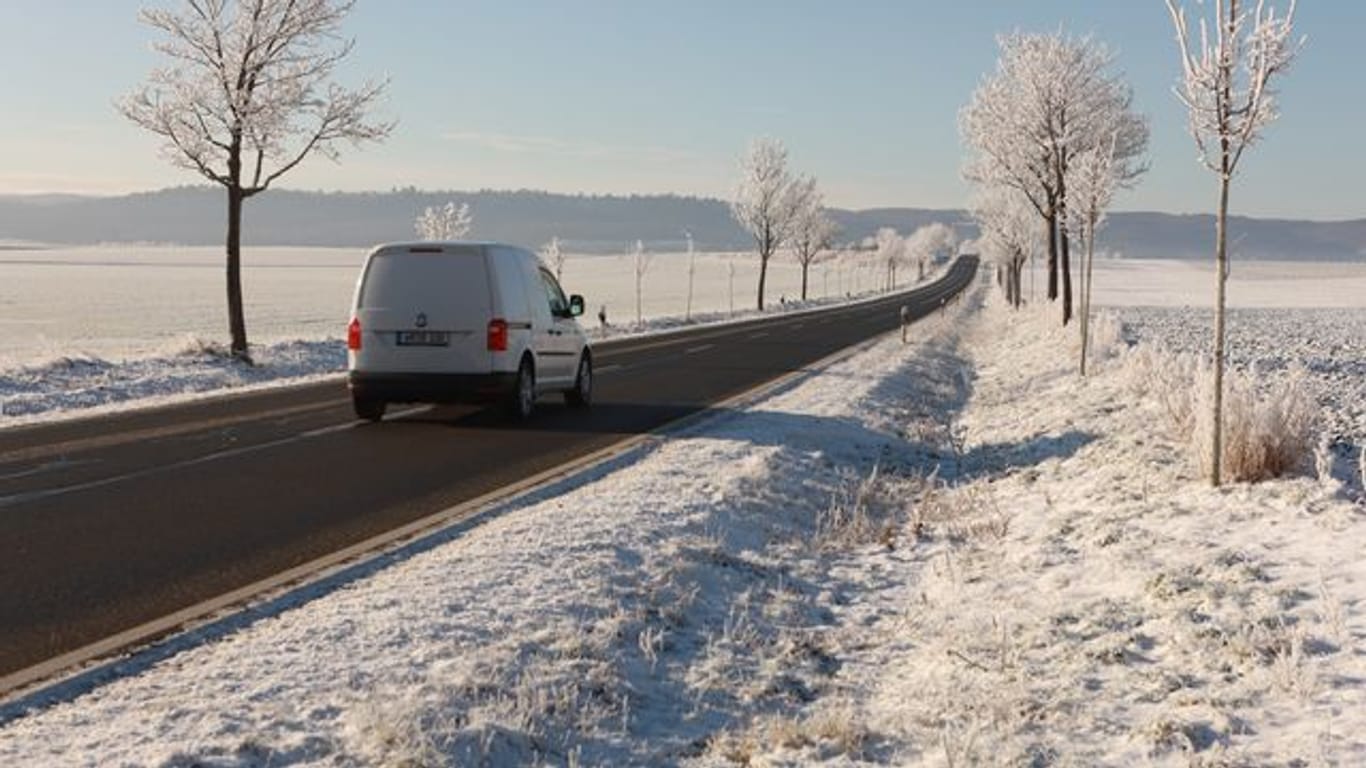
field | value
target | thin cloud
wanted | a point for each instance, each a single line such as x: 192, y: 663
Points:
x: 546, y: 145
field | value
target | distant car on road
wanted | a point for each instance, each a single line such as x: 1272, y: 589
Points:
x: 463, y: 322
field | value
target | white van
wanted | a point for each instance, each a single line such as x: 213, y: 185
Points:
x: 463, y: 322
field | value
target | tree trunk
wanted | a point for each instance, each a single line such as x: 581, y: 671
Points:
x: 1016, y: 269
x: 1220, y: 278
x: 763, y: 274
x: 805, y: 267
x: 1065, y: 267
x: 1224, y: 105
x: 1052, y: 222
x: 237, y: 322
x: 1089, y: 262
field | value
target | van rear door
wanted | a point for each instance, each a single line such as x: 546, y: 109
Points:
x: 425, y: 309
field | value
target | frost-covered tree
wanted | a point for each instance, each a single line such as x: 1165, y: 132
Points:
x: 891, y: 250
x: 1051, y: 98
x: 767, y: 200
x: 449, y: 222
x: 927, y: 241
x: 812, y: 233
x: 247, y: 95
x: 1091, y: 186
x: 553, y: 255
x: 1010, y: 234
x: 1226, y: 88
x: 641, y: 260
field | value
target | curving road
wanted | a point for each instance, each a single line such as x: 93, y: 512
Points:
x: 108, y: 523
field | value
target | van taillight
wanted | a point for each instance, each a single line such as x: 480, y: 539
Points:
x: 498, y: 335
x: 353, y: 335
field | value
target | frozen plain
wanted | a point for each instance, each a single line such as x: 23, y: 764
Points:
x: 947, y: 553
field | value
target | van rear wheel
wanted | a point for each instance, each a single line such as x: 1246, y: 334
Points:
x: 581, y: 396
x: 523, y: 398
x: 368, y: 409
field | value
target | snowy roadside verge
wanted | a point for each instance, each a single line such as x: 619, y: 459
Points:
x: 688, y: 595
x: 1078, y: 595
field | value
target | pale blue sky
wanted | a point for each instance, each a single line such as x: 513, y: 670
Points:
x: 621, y: 96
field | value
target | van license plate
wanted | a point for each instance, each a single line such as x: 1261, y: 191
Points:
x: 424, y: 339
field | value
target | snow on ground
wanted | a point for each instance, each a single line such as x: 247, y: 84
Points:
x: 1329, y: 343
x: 954, y: 552
x: 81, y: 385
x: 1251, y: 284
x: 1081, y: 597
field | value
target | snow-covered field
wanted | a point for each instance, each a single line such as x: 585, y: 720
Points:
x: 1251, y: 284
x: 954, y: 552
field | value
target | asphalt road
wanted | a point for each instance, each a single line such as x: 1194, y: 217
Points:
x: 108, y: 523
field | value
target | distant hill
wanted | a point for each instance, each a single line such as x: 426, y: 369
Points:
x: 195, y: 216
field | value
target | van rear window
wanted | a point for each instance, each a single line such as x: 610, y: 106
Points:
x: 402, y: 279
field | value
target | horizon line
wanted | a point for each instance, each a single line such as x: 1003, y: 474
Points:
x: 411, y: 189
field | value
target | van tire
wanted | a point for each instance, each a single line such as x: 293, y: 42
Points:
x: 581, y: 396
x: 522, y: 401
x: 370, y: 410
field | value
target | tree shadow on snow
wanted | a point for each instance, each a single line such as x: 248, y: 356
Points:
x: 993, y: 459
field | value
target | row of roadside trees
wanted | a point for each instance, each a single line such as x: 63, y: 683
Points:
x: 1052, y: 135
x: 780, y: 208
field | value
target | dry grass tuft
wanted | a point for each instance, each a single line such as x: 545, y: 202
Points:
x: 1268, y: 429
x: 863, y: 512
x: 837, y: 731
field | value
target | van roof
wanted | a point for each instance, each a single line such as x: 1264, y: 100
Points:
x: 443, y: 244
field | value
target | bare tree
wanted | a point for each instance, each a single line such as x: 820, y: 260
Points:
x: 767, y: 200
x: 812, y: 232
x: 248, y: 96
x: 1050, y: 98
x: 449, y: 222
x: 641, y: 260
x: 554, y: 257
x: 1091, y: 185
x: 1226, y: 88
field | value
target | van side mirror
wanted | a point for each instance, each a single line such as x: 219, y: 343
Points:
x: 575, y: 305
